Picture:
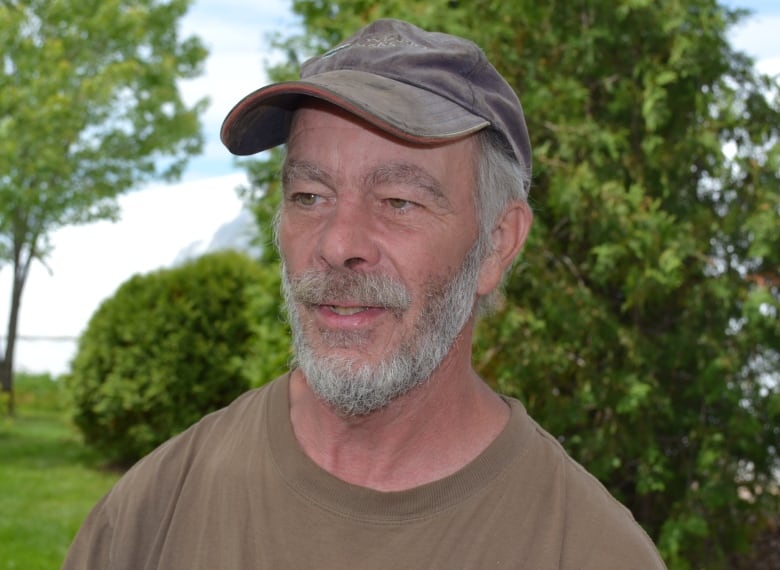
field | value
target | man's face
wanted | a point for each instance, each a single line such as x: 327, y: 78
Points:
x: 380, y: 270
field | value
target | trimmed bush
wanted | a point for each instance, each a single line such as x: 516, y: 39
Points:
x: 167, y: 348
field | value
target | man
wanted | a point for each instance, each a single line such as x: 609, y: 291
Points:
x: 407, y: 168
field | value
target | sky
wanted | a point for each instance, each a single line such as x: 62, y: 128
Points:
x: 160, y: 221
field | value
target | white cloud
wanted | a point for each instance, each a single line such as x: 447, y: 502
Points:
x: 89, y: 262
x: 236, y: 35
x: 758, y: 36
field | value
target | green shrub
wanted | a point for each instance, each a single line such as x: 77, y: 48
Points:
x: 167, y: 348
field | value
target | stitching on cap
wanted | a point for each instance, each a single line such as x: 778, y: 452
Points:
x: 393, y: 40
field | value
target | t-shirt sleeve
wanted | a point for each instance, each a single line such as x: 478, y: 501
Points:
x: 605, y: 535
x: 618, y: 547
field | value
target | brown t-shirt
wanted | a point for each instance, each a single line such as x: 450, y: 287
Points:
x: 236, y: 492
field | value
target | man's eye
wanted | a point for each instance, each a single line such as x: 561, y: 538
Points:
x: 305, y: 199
x: 398, y: 203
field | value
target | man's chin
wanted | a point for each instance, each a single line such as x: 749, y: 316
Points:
x: 354, y: 404
x: 352, y: 385
x: 323, y: 341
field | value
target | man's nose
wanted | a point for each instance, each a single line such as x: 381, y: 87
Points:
x: 348, y: 239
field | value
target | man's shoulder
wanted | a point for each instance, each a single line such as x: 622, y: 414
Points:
x: 595, y: 524
x: 192, y: 450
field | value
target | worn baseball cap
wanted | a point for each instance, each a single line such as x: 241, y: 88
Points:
x: 419, y: 86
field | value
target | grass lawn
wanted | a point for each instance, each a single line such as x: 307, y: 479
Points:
x: 48, y: 480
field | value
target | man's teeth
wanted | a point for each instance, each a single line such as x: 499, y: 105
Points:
x: 346, y: 310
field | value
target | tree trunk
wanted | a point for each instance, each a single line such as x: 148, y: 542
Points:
x: 21, y: 269
x: 6, y: 381
x: 7, y: 363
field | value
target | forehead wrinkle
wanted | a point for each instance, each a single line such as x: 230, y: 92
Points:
x: 408, y: 174
x: 294, y: 169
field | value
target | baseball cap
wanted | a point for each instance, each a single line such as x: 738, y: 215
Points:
x: 422, y: 87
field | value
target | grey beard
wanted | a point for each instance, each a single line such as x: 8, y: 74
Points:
x: 352, y: 388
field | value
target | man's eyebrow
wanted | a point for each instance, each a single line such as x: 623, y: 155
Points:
x: 293, y: 170
x: 408, y: 174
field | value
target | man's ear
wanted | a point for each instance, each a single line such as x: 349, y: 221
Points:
x: 509, y: 235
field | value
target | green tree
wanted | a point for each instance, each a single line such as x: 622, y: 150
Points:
x: 642, y: 324
x: 167, y: 348
x: 89, y: 109
x: 270, y: 356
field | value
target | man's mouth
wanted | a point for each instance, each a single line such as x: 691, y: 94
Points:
x: 346, y: 311
x: 349, y: 294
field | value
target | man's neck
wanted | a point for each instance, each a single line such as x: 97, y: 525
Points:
x: 425, y: 435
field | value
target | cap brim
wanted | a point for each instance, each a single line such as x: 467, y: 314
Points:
x: 261, y: 120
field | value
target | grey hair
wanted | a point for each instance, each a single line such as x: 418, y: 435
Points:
x: 499, y: 180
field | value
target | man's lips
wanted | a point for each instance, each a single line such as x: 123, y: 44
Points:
x: 347, y: 311
x: 338, y: 314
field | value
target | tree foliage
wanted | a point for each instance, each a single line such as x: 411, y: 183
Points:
x: 167, y: 348
x: 271, y: 355
x: 642, y: 323
x: 89, y: 109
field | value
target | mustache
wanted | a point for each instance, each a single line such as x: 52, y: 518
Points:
x: 327, y: 287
